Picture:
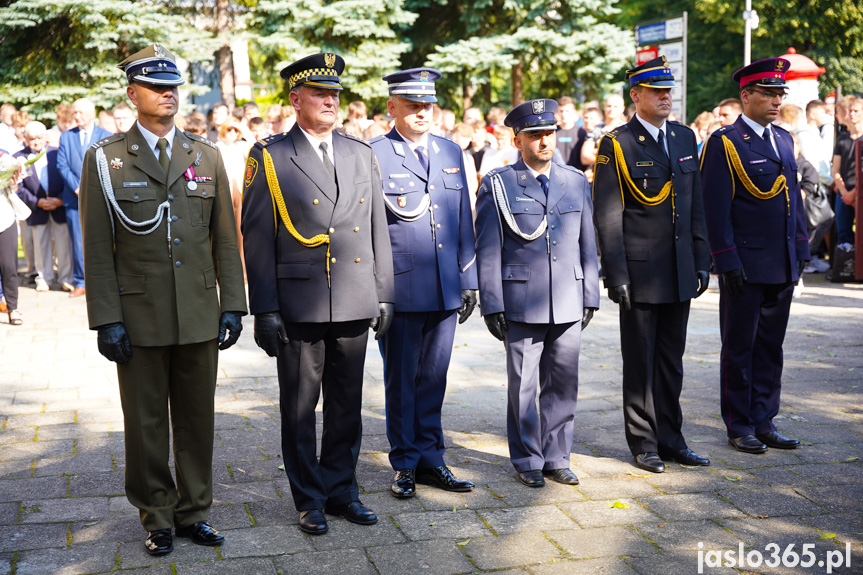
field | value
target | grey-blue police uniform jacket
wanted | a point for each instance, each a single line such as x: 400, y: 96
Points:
x: 286, y: 276
x: 552, y: 278
x: 430, y: 223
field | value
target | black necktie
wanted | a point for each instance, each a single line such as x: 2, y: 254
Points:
x: 661, y: 140
x: 766, y: 136
x: 421, y: 156
x: 327, y: 163
x: 543, y: 181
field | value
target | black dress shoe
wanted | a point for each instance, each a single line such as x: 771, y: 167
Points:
x: 200, y: 533
x: 313, y: 522
x: 532, y: 478
x: 688, y: 457
x: 355, y: 512
x: 777, y: 440
x: 404, y: 484
x: 650, y: 462
x: 747, y: 444
x: 442, y: 477
x: 564, y: 476
x: 159, y: 542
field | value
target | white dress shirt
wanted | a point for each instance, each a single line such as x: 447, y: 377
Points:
x: 152, y: 139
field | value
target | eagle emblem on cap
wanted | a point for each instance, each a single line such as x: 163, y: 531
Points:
x: 330, y: 60
x: 424, y: 76
x: 538, y: 106
x: 160, y: 53
x: 780, y: 65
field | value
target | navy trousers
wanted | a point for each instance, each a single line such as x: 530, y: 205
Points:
x: 73, y: 221
x: 416, y: 352
x: 544, y: 356
x: 753, y: 329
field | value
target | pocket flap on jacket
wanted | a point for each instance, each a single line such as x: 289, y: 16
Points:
x: 516, y: 272
x: 203, y: 191
x: 402, y: 263
x: 131, y: 284
x: 134, y: 194
x: 210, y: 278
x: 637, y: 253
x: 294, y: 270
x: 579, y: 273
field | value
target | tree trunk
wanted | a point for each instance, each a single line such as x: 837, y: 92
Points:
x: 224, y: 57
x: 467, y: 92
x: 517, y: 76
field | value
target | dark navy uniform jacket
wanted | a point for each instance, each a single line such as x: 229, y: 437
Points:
x: 286, y: 276
x: 546, y: 280
x: 31, y: 190
x: 432, y: 262
x: 764, y: 237
x: 656, y: 249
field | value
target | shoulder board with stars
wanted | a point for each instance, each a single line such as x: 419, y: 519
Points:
x: 569, y: 168
x: 354, y: 138
x: 376, y: 139
x: 198, y: 138
x: 500, y: 170
x: 272, y: 139
x: 109, y: 140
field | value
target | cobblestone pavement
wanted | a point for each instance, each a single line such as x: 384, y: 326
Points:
x: 62, y: 508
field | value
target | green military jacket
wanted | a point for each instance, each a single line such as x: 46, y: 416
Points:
x: 161, y: 286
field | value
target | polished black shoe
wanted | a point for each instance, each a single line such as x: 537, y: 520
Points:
x: 313, y: 522
x: 564, y: 476
x: 649, y: 462
x: 404, y: 484
x: 442, y: 477
x: 200, y: 533
x: 688, y: 457
x: 532, y: 478
x: 777, y: 440
x: 747, y: 444
x: 159, y: 542
x: 355, y: 512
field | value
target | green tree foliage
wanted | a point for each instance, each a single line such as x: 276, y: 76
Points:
x: 831, y: 33
x: 59, y: 50
x: 366, y: 33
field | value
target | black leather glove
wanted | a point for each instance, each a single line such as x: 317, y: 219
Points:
x: 496, y: 324
x: 229, y: 321
x: 620, y: 295
x: 703, y: 282
x: 468, y: 303
x: 113, y: 342
x: 381, y: 324
x: 587, y: 316
x: 733, y: 281
x: 269, y: 331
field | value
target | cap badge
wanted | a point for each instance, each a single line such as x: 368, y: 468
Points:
x: 780, y: 65
x: 538, y: 106
x: 424, y: 76
x: 160, y: 53
x: 330, y: 60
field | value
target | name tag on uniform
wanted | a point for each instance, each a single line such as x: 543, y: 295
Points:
x: 394, y: 176
x: 450, y: 170
x: 134, y: 184
x: 519, y: 199
x: 642, y: 164
x: 757, y: 162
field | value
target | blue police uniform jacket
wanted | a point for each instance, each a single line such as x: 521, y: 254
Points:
x: 430, y: 223
x: 552, y: 278
x: 766, y: 237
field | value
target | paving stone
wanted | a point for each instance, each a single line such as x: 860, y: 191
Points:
x: 758, y: 533
x: 770, y: 502
x: 774, y: 477
x: 22, y: 537
x: 515, y: 494
x: 272, y: 512
x: 598, y: 513
x: 848, y: 527
x: 839, y: 498
x: 112, y: 529
x: 69, y: 509
x: 231, y: 516
x: 686, y: 535
x: 262, y: 541
x: 132, y: 553
x: 16, y: 469
x: 9, y: 513
x: 420, y: 557
x: 342, y: 561
x: 33, y: 419
x: 74, y: 560
x: 21, y: 489
x: 605, y: 566
x: 440, y: 525
x: 245, y: 492
x: 617, y: 487
x: 830, y: 474
x: 228, y: 567
x: 345, y: 535
x: 20, y: 435
x: 682, y: 563
x: 110, y: 483
x: 37, y: 449
x: 522, y: 519
x: 74, y: 464
x: 602, y: 542
x: 497, y: 552
x: 690, y: 506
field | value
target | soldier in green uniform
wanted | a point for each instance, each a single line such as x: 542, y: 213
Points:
x: 159, y: 236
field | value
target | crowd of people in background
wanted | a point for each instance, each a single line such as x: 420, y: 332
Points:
x: 51, y: 236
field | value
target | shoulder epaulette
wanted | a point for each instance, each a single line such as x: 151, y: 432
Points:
x: 618, y: 130
x: 442, y: 140
x: 272, y: 139
x: 354, y: 138
x: 198, y: 138
x: 776, y: 127
x: 723, y: 129
x: 109, y: 140
x: 376, y: 139
x: 499, y: 170
x: 570, y: 168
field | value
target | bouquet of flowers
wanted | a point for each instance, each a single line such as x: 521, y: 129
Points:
x: 11, y: 166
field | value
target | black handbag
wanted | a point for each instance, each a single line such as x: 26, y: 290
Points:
x: 818, y: 210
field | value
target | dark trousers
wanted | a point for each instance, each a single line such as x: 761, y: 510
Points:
x: 652, y: 342
x: 184, y: 378
x: 9, y: 265
x: 417, y: 351
x: 328, y: 357
x: 544, y: 355
x: 753, y: 329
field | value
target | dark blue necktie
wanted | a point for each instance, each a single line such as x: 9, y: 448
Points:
x: 421, y: 156
x: 543, y: 181
x: 661, y: 140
